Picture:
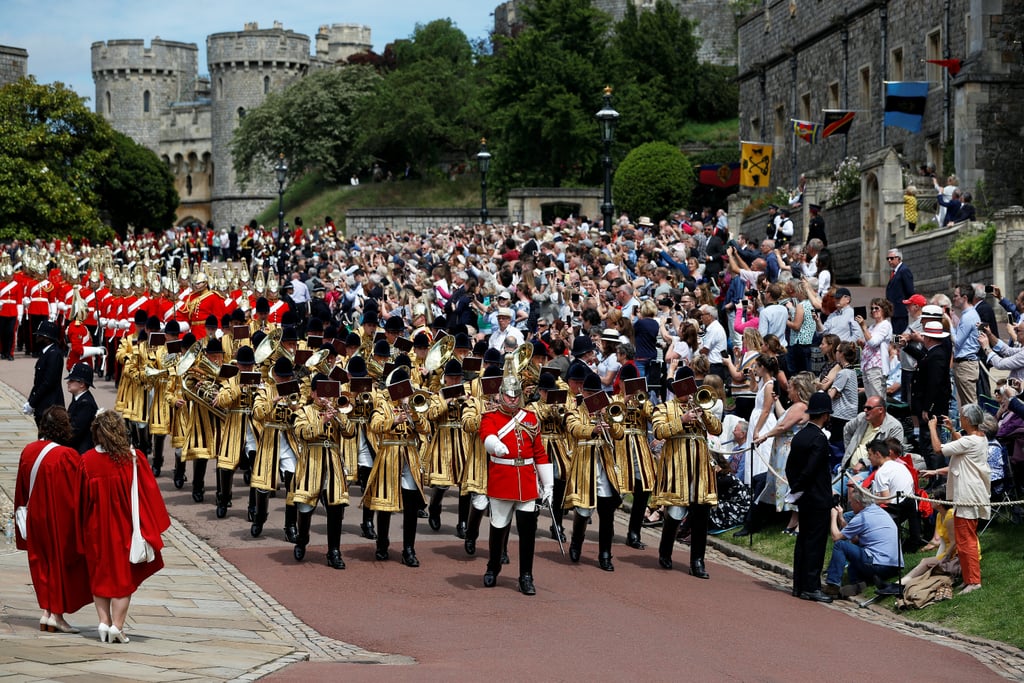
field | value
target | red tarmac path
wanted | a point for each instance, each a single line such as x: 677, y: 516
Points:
x: 584, y: 624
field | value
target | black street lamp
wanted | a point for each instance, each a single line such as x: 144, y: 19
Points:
x: 281, y: 171
x: 607, y: 117
x: 483, y: 158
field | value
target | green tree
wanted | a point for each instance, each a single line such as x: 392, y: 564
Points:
x: 312, y: 123
x: 428, y: 108
x: 546, y: 86
x: 53, y: 151
x: 138, y: 188
x: 654, y: 179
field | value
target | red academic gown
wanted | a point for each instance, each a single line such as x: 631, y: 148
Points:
x: 106, y: 518
x: 59, y: 574
x: 510, y: 481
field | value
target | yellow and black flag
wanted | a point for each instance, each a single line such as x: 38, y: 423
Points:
x: 756, y: 164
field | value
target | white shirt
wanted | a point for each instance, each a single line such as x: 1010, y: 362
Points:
x: 714, y: 341
x: 497, y: 340
x: 300, y: 292
x: 894, y: 477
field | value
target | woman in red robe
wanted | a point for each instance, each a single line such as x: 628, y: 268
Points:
x: 107, y: 521
x: 58, y: 570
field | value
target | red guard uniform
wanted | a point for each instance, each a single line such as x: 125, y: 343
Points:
x: 78, y: 339
x: 200, y: 306
x: 514, y: 476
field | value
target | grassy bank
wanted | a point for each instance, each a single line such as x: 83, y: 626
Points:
x: 995, y: 612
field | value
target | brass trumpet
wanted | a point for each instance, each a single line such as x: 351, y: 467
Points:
x: 616, y: 413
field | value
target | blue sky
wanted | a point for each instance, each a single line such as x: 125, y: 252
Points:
x: 58, y: 33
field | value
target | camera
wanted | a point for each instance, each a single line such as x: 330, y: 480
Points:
x: 836, y: 500
x: 751, y: 293
x: 990, y: 289
x: 900, y: 340
x: 981, y: 327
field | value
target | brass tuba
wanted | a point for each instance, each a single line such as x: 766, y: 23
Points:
x: 440, y: 353
x: 269, y: 346
x: 518, y: 360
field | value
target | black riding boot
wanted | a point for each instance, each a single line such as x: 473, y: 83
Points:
x: 224, y: 478
x: 179, y: 469
x: 383, y: 530
x: 290, y: 532
x: 434, y: 509
x: 698, y: 516
x: 250, y: 462
x: 636, y: 518
x: 335, y: 515
x: 605, y: 531
x: 157, y: 461
x: 302, y: 535
x: 668, y: 541
x: 495, y: 541
x: 366, y: 526
x: 526, y: 524
x: 250, y: 513
x: 579, y: 530
x: 199, y: 479
x: 473, y: 529
x: 259, y: 517
x: 410, y: 514
x: 465, y: 502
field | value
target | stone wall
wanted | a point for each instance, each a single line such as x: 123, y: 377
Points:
x: 13, y: 64
x: 375, y: 221
x: 926, y: 255
x: 528, y: 204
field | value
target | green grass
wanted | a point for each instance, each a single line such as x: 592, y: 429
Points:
x: 313, y: 198
x: 995, y: 612
x: 710, y: 133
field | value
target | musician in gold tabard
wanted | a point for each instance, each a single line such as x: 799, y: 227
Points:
x: 474, y: 473
x: 445, y: 453
x: 394, y: 484
x: 686, y: 474
x: 636, y: 453
x: 594, y: 478
x: 320, y: 469
x: 556, y: 442
x: 204, y: 426
x: 361, y: 449
x: 239, y: 437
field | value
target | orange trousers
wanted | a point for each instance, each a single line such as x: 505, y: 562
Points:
x: 967, y: 549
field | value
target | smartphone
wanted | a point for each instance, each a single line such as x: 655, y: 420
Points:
x: 990, y: 289
x: 862, y: 311
x: 487, y: 301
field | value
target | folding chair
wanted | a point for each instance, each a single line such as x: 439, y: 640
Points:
x: 1004, y: 490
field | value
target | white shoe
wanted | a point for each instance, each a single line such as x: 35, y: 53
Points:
x: 104, y: 633
x: 117, y: 636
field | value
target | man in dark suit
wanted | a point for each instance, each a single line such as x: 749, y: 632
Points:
x: 931, y: 392
x: 83, y: 406
x: 46, y: 389
x: 899, y: 287
x: 810, y: 486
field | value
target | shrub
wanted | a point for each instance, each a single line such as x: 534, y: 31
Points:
x: 845, y: 182
x: 974, y: 249
x: 654, y: 180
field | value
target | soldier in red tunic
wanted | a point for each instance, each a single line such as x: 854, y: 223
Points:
x: 517, y: 460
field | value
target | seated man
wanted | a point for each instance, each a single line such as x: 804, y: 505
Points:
x: 867, y: 547
x: 874, y: 422
x: 892, y: 476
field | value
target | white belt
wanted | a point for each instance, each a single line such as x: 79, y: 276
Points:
x: 8, y: 301
x: 518, y: 462
x: 40, y: 298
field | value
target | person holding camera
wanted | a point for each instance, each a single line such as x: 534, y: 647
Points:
x: 999, y: 355
x: 966, y: 346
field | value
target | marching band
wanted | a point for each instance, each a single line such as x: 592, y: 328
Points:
x: 216, y: 362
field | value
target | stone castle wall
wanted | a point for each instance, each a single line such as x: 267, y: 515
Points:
x: 13, y: 64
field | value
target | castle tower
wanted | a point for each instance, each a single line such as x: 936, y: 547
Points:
x: 13, y: 64
x: 136, y: 85
x: 245, y: 66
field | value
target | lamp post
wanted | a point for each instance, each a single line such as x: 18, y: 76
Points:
x: 607, y: 118
x: 281, y: 171
x: 483, y: 158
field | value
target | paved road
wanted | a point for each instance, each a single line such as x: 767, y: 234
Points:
x: 206, y: 617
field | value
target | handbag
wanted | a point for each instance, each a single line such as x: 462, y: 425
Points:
x: 141, y: 551
x: 21, y: 513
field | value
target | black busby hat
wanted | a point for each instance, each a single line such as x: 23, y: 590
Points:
x: 213, y: 345
x: 493, y: 357
x: 547, y: 382
x: 211, y: 321
x: 245, y: 355
x: 394, y: 324
x: 452, y: 368
x: 577, y: 371
x: 283, y: 367
x: 684, y: 372
x: 592, y: 382
x: 492, y: 371
x: 421, y: 341
x: 352, y: 339
x: 289, y: 334
x: 262, y: 305
x: 628, y: 371
x: 141, y: 317
x: 462, y: 341
x: 172, y: 327
x: 403, y: 360
x: 382, y: 348
x: 289, y: 319
x: 357, y: 367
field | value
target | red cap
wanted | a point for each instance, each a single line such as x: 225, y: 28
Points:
x: 917, y: 300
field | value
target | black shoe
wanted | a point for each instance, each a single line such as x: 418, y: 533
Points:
x: 434, y: 519
x: 697, y: 569
x: 250, y: 513
x: 156, y: 471
x: 574, y: 552
x: 557, y: 533
x: 367, y: 530
x: 381, y: 555
x: 504, y: 557
x: 816, y: 596
x: 222, y: 511
x: 470, y: 546
x: 409, y: 558
x: 422, y: 514
x: 633, y: 541
x: 490, y: 579
x: 460, y: 530
x: 743, y: 531
x: 526, y: 586
x: 334, y: 559
x: 247, y: 477
x: 665, y: 562
x: 179, y: 483
x: 604, y: 561
x: 291, y: 534
x: 256, y: 529
x: 299, y: 552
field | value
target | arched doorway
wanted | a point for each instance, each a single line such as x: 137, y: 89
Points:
x: 870, y: 215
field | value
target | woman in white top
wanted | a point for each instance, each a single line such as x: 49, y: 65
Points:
x: 762, y: 418
x: 744, y: 386
x: 824, y: 273
x: 968, y: 485
x: 874, y: 361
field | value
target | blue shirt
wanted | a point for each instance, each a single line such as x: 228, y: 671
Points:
x: 965, y: 336
x: 875, y: 532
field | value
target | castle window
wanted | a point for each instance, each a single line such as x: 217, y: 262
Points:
x: 106, y: 101
x: 833, y: 95
x: 755, y: 128
x: 145, y: 101
x: 805, y: 106
x: 241, y: 113
x: 220, y: 88
x: 780, y: 129
x: 865, y: 92
x: 188, y: 184
x: 266, y: 84
x: 896, y: 64
x: 933, y: 50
